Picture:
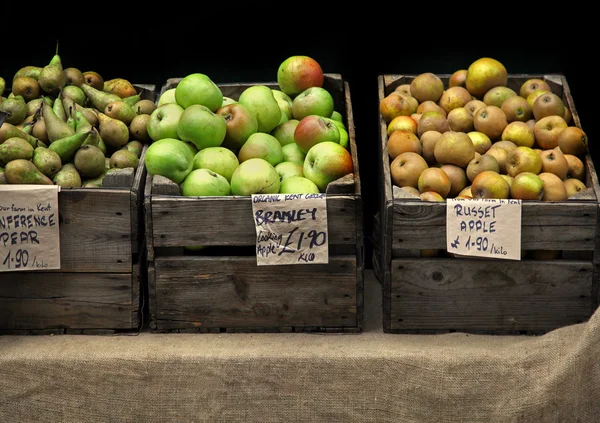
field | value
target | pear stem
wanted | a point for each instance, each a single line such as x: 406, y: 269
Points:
x: 56, y: 47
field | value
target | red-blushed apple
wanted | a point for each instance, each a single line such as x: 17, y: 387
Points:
x: 220, y: 160
x: 403, y: 122
x: 490, y: 184
x: 314, y: 129
x: 284, y: 132
x: 289, y: 169
x: 527, y: 186
x: 164, y: 121
x: 261, y: 102
x: 167, y: 97
x: 298, y: 185
x: 255, y: 176
x: 312, y: 101
x: 292, y: 153
x: 169, y: 157
x: 200, y: 126
x: 326, y: 162
x: 205, y: 182
x: 198, y: 88
x: 263, y: 146
x: 436, y: 180
x: 298, y: 73
x: 285, y: 103
x: 394, y: 105
x: 241, y: 123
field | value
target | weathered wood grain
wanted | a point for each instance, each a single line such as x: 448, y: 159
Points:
x: 228, y: 221
x: 119, y: 178
x: 232, y: 292
x: 489, y: 294
x: 66, y: 300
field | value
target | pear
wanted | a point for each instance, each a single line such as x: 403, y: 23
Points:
x: 124, y: 158
x: 89, y: 161
x: 21, y: 171
x: 9, y: 131
x: 68, y: 177
x: 74, y: 77
x: 121, y: 111
x: 39, y: 130
x: 135, y: 147
x: 94, y: 139
x: 138, y: 128
x: 15, y: 108
x: 52, y: 77
x: 132, y: 100
x: 114, y: 132
x: 88, y: 113
x: 119, y: 86
x: 2, y: 86
x: 29, y: 71
x: 68, y: 146
x: 74, y: 93
x: 27, y: 87
x: 93, y: 79
x: 34, y: 106
x: 93, y: 182
x: 144, y: 107
x: 81, y: 123
x: 99, y: 99
x: 15, y: 148
x: 55, y: 126
x: 47, y: 161
x: 59, y: 109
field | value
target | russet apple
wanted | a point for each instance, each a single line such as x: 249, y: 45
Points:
x: 427, y: 86
x: 532, y: 85
x: 458, y: 78
x: 432, y: 121
x: 574, y: 186
x: 205, y: 182
x: 460, y: 120
x: 547, y: 130
x: 312, y: 101
x: 326, y: 162
x: 401, y: 141
x: 576, y: 167
x: 519, y: 133
x: 198, y: 88
x: 220, y: 160
x: 454, y: 148
x: 458, y: 178
x: 436, y: 180
x: 554, y: 161
x: 430, y: 196
x: 501, y: 156
x: 534, y: 95
x: 490, y: 184
x: 313, y: 129
x: 554, y: 187
x: 430, y: 106
x: 240, y: 122
x: 428, y: 141
x: 403, y: 89
x: 484, y: 74
x: 263, y: 146
x: 411, y: 190
x: 572, y: 140
x: 527, y: 186
x: 485, y: 162
x: 403, y: 122
x: 255, y: 176
x: 164, y: 121
x: 200, y: 126
x: 516, y: 108
x: 298, y: 73
x: 490, y: 120
x: 474, y: 105
x: 498, y: 95
x: 548, y: 104
x: 454, y: 97
x: 481, y: 141
x: 394, y: 105
x: 523, y: 159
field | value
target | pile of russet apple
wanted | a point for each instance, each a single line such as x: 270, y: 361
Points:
x: 478, y: 138
x: 69, y: 128
x: 268, y: 141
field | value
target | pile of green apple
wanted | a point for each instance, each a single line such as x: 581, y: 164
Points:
x: 268, y: 141
x: 478, y: 138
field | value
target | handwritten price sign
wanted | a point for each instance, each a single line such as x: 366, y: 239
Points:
x: 290, y: 229
x: 29, y: 237
x: 484, y: 228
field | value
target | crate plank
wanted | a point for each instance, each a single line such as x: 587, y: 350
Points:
x: 489, y: 295
x: 231, y: 292
x: 66, y: 300
x: 228, y: 221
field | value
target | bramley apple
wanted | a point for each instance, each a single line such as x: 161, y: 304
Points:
x: 297, y: 73
x: 164, y: 121
x: 312, y: 101
x: 298, y: 185
x: 314, y: 129
x: 169, y: 157
x: 167, y: 97
x: 285, y: 103
x: 292, y: 153
x: 289, y: 169
x: 325, y: 162
x: 198, y: 88
x: 205, y: 182
x: 241, y: 123
x: 220, y: 160
x: 284, y: 132
x: 261, y: 102
x: 255, y: 176
x: 261, y: 145
x: 200, y: 126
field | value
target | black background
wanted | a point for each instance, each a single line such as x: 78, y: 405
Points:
x: 150, y: 55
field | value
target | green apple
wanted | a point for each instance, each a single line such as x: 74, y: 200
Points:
x: 285, y: 132
x: 297, y: 73
x: 298, y: 185
x: 198, y: 88
x: 312, y: 101
x: 167, y: 97
x: 261, y: 145
x: 344, y: 137
x: 169, y: 157
x: 227, y: 101
x: 289, y: 169
x: 325, y: 162
x: 284, y: 101
x: 283, y: 119
x: 241, y: 123
x: 292, y: 153
x: 205, y: 182
x: 337, y: 116
x: 164, y: 121
x: 255, y: 176
x: 218, y: 159
x: 314, y: 129
x: 200, y: 126
x: 261, y: 102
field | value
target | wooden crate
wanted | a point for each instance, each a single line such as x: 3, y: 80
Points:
x: 222, y: 289
x: 97, y: 289
x: 446, y: 294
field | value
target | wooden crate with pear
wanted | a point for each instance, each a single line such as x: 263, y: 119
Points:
x: 220, y: 287
x: 427, y: 289
x: 97, y: 289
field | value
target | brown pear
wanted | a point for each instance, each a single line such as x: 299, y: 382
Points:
x: 113, y: 132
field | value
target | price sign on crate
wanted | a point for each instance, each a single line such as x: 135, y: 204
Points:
x: 290, y: 229
x: 484, y: 228
x: 29, y: 238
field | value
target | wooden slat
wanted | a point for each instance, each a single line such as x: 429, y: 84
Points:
x: 137, y: 204
x: 489, y: 295
x: 228, y: 221
x: 118, y: 178
x: 232, y: 292
x: 66, y: 300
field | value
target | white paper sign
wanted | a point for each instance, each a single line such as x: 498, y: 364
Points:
x: 290, y: 228
x: 484, y: 228
x: 29, y: 236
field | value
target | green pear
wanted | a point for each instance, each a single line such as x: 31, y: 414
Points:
x: 99, y: 99
x: 47, y: 161
x: 55, y: 126
x: 94, y: 182
x: 124, y: 158
x: 15, y: 108
x: 59, y: 109
x: 132, y: 99
x: 87, y: 112
x: 94, y: 139
x: 68, y: 177
x: 15, y: 148
x: 9, y: 131
x: 120, y: 110
x: 89, y: 161
x: 68, y: 146
x: 114, y: 132
x: 52, y: 77
x: 33, y: 106
x: 261, y: 102
x: 74, y: 93
x: 29, y: 71
x: 21, y: 171
x: 81, y: 123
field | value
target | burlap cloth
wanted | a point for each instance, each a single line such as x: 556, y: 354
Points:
x: 370, y: 377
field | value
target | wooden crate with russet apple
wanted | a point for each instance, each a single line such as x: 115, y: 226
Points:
x: 97, y: 290
x: 222, y: 289
x: 443, y: 293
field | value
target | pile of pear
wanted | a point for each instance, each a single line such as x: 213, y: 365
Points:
x: 69, y: 128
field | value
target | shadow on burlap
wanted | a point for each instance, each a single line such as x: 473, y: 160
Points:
x: 370, y: 377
